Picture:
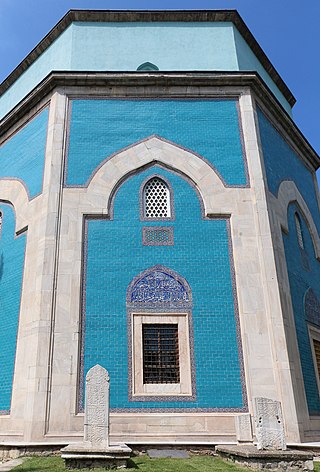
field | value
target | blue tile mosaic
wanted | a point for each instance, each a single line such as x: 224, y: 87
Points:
x: 201, y: 256
x: 282, y: 163
x: 210, y: 128
x: 22, y: 156
x: 11, y: 272
x: 158, y: 236
x: 302, y: 278
x: 158, y: 287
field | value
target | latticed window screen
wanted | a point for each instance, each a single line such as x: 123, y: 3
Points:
x: 160, y: 353
x: 157, y: 236
x: 299, y: 230
x: 156, y: 199
x: 316, y: 345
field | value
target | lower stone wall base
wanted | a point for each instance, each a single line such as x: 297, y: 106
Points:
x: 9, y: 452
x: 250, y: 456
x: 85, y: 455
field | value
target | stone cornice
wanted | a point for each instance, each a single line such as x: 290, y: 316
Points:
x: 162, y: 85
x: 150, y: 16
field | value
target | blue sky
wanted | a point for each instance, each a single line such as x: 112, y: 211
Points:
x: 288, y: 32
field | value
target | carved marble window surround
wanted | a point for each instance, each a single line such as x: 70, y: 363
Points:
x: 314, y: 334
x: 184, y: 387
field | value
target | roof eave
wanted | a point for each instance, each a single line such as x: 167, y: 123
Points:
x: 103, y: 79
x: 150, y: 16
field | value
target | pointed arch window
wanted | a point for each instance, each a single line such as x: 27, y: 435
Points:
x: 301, y: 242
x: 299, y: 230
x: 161, y: 360
x: 157, y: 201
x: 312, y: 315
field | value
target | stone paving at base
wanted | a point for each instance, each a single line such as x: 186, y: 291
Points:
x: 6, y: 466
x: 272, y: 460
x: 167, y: 454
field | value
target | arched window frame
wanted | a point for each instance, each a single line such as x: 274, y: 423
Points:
x: 151, y: 311
x: 312, y: 317
x: 301, y: 242
x: 143, y: 216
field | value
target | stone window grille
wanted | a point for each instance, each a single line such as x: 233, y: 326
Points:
x: 160, y: 353
x: 161, y: 359
x: 299, y: 230
x: 314, y: 334
x: 316, y: 346
x: 156, y: 199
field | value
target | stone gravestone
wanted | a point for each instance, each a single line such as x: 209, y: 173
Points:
x: 96, y: 420
x: 269, y: 424
x: 243, y: 428
x: 96, y: 450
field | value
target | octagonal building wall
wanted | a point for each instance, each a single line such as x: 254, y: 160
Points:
x: 91, y: 148
x: 116, y: 42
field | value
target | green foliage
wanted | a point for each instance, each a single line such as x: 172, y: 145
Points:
x: 141, y: 463
x: 196, y: 463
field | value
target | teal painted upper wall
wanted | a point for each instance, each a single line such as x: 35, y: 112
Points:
x: 56, y: 57
x: 247, y: 61
x: 172, y: 46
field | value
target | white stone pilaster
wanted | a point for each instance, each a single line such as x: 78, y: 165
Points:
x: 33, y: 358
x: 272, y: 320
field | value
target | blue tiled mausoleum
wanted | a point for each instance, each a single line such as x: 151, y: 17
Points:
x: 159, y: 216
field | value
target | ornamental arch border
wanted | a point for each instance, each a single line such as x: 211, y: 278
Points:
x: 288, y: 193
x: 172, y: 274
x: 163, y: 144
x: 217, y: 201
x: 151, y: 309
x: 153, y: 151
x: 13, y: 192
x: 112, y: 197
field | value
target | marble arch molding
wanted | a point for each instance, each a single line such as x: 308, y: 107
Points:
x: 289, y: 193
x: 217, y: 198
x: 14, y: 192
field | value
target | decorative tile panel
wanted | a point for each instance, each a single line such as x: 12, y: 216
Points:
x: 12, y: 250
x: 159, y: 286
x: 304, y: 275
x: 283, y: 163
x: 312, y: 308
x: 22, y: 155
x: 201, y: 259
x: 157, y: 236
x: 209, y: 128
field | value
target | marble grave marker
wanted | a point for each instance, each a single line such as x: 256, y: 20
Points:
x: 269, y: 424
x: 95, y: 450
x: 96, y: 421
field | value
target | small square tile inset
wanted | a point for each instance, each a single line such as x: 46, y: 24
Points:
x: 157, y: 236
